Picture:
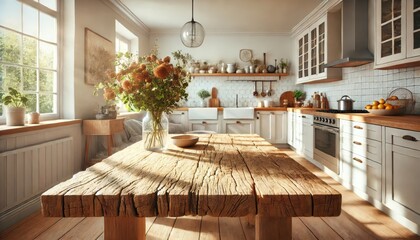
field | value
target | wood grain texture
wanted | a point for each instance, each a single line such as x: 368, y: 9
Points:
x: 8, y: 130
x: 273, y: 228
x: 124, y: 228
x: 223, y: 175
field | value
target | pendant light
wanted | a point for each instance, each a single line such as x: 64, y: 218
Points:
x: 192, y: 33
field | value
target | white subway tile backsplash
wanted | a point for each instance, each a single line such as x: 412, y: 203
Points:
x: 364, y: 84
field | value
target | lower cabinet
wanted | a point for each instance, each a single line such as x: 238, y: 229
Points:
x: 361, y: 157
x: 205, y: 125
x: 239, y: 126
x: 308, y: 135
x: 402, y: 172
x: 362, y: 174
x: 272, y: 126
x: 291, y: 127
x: 178, y: 122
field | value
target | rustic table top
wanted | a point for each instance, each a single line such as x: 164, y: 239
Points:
x: 223, y: 175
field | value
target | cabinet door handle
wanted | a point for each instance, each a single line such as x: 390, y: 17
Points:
x: 238, y: 122
x: 303, y: 116
x: 357, y: 160
x: 204, y: 122
x: 271, y: 113
x: 357, y: 143
x: 410, y: 138
x: 182, y: 113
x: 358, y: 127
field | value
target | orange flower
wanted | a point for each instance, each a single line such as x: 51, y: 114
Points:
x: 161, y: 71
x: 126, y: 85
x: 167, y: 59
x: 142, y: 66
x: 109, y: 95
x: 153, y: 57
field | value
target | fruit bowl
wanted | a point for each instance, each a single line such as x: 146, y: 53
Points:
x: 184, y: 140
x: 383, y: 112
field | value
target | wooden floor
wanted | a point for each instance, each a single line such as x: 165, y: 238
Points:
x: 359, y: 220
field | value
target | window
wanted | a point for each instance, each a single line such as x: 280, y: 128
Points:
x: 29, y: 52
x: 125, y: 41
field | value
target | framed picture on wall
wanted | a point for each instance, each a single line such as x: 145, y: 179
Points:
x: 99, y: 57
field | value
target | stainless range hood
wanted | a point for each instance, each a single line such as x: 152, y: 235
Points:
x: 354, y: 35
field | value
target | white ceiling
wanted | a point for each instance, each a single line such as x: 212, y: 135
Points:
x: 223, y: 16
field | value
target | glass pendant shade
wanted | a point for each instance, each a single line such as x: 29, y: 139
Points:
x: 192, y: 34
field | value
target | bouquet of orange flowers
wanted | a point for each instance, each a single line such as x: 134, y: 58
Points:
x: 150, y: 84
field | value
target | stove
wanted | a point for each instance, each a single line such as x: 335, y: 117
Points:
x: 343, y: 111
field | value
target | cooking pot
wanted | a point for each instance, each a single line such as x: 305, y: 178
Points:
x: 345, y: 103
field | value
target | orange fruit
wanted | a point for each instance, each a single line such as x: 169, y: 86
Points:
x: 368, y: 106
x: 382, y: 100
x: 388, y: 108
x: 393, y: 98
x: 387, y: 104
x: 375, y: 103
x: 375, y: 107
x: 381, y: 106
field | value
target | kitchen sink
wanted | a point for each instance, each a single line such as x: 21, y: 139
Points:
x: 202, y: 113
x: 238, y: 113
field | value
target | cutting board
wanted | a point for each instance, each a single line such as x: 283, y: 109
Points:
x: 289, y: 96
x: 214, y: 101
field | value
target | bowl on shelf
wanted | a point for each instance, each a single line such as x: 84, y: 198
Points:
x: 184, y: 140
x: 384, y: 112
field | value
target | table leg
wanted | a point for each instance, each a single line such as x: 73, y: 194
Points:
x: 87, y: 143
x: 110, y: 145
x: 273, y: 228
x: 128, y: 228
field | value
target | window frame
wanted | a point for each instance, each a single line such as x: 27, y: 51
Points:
x: 58, y: 17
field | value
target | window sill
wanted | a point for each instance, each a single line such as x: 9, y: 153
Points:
x: 7, y: 130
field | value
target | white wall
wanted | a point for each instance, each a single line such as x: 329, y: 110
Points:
x: 98, y: 16
x: 225, y: 48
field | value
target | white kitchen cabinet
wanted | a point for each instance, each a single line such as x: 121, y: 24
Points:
x: 272, y: 126
x: 205, y: 125
x: 397, y: 34
x: 291, y: 125
x: 239, y: 126
x: 179, y: 121
x: 308, y: 136
x: 402, y: 172
x: 361, y: 157
x: 317, y: 45
x: 297, y: 132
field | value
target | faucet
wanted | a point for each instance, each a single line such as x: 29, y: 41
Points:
x: 237, y: 101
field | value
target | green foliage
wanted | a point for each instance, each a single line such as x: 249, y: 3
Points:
x: 203, y: 94
x: 19, y: 57
x: 14, y: 98
x: 298, y: 94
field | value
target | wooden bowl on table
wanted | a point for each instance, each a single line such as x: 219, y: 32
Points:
x: 184, y: 140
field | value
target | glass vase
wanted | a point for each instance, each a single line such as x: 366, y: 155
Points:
x: 155, y: 131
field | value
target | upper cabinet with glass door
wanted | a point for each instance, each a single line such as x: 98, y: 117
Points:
x: 398, y: 34
x: 316, y: 45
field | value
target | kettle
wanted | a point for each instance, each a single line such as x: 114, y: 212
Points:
x: 345, y: 103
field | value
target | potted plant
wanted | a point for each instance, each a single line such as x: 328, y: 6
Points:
x: 203, y: 94
x: 297, y: 94
x: 283, y: 65
x: 15, y: 103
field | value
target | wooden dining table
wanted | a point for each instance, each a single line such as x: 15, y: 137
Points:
x: 223, y: 175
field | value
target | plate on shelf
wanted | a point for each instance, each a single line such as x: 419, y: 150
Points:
x: 245, y: 55
x: 384, y: 112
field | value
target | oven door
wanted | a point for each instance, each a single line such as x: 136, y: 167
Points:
x: 327, y: 147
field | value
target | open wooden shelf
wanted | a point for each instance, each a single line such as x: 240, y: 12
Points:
x: 238, y: 74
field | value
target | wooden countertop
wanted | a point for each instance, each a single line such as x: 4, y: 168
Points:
x: 407, y: 122
x: 255, y: 108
